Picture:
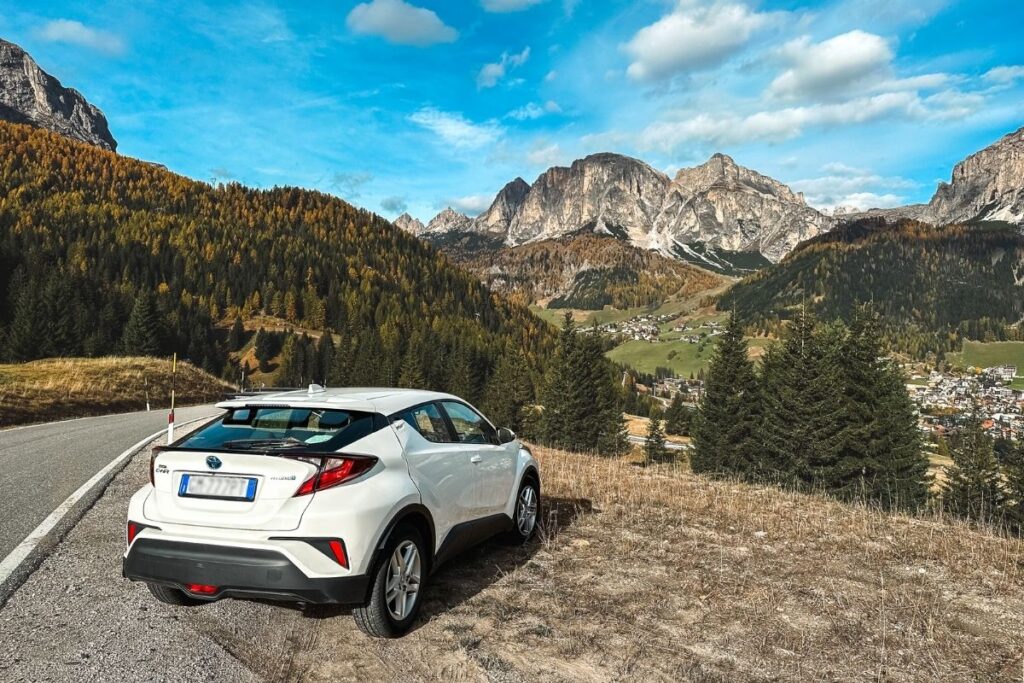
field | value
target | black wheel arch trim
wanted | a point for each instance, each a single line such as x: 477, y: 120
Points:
x: 409, y: 511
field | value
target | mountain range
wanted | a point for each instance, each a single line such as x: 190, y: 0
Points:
x: 30, y: 95
x: 719, y: 205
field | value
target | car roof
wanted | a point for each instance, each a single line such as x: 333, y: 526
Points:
x: 369, y: 399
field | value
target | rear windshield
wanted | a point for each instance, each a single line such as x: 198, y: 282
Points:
x: 282, y: 429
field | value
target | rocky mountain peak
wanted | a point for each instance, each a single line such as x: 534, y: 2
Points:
x: 411, y: 225
x: 449, y: 220
x: 987, y: 185
x: 723, y: 172
x: 504, y: 208
x: 30, y: 95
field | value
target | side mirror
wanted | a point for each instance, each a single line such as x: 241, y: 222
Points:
x: 506, y: 435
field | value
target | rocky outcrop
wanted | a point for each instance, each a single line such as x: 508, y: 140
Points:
x: 411, y: 225
x: 719, y: 204
x: 727, y: 206
x: 986, y: 186
x: 448, y: 221
x: 30, y: 95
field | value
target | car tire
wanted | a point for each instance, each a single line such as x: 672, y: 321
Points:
x: 526, y: 514
x: 391, y: 610
x: 173, y: 596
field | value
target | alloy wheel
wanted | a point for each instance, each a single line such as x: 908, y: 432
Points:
x: 403, y: 585
x: 526, y: 510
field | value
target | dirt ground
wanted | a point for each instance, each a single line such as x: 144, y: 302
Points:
x: 639, y: 574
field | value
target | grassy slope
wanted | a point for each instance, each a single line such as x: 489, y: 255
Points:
x: 55, y: 389
x: 986, y: 355
x: 646, y: 357
x: 656, y: 574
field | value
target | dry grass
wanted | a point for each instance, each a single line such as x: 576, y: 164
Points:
x: 54, y: 389
x: 638, y: 426
x: 656, y: 574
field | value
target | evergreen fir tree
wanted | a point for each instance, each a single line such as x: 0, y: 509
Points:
x: 654, y: 448
x: 973, y: 489
x: 411, y: 375
x: 678, y: 417
x: 726, y: 428
x: 27, y: 327
x: 1013, y: 472
x: 236, y: 337
x: 901, y: 480
x: 325, y: 356
x: 509, y: 391
x: 142, y: 332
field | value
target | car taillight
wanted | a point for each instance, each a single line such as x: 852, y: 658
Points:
x: 134, y: 528
x: 152, y: 466
x: 338, y: 550
x: 336, y: 471
x: 200, y: 588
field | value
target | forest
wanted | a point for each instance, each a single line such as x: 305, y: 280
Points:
x: 932, y: 286
x: 102, y: 254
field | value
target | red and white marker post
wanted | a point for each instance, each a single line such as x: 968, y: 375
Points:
x: 170, y: 415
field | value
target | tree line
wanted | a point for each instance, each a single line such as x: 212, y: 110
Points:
x: 825, y: 412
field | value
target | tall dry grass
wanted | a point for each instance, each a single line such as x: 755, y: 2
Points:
x: 54, y: 389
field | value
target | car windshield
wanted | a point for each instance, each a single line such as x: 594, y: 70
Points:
x: 281, y: 429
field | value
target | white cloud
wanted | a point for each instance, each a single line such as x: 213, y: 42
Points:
x: 77, y: 33
x: 455, y: 129
x: 778, y: 125
x: 490, y: 74
x: 1004, y: 75
x: 922, y: 82
x: 533, y: 110
x: 396, y: 205
x: 552, y: 75
x: 550, y: 155
x: 953, y: 105
x: 832, y: 67
x: 399, y: 22
x: 508, y: 5
x: 691, y: 37
x: 471, y: 204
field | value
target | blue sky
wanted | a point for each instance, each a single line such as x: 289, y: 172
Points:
x: 414, y: 105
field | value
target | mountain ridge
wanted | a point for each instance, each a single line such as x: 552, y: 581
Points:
x: 719, y: 204
x: 31, y: 96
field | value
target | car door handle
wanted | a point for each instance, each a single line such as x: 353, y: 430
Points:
x: 475, y: 459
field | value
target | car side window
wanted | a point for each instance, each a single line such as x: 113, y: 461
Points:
x: 469, y: 425
x: 428, y: 421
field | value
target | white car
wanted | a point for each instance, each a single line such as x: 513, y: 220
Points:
x: 338, y: 496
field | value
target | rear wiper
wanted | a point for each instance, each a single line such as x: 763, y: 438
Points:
x: 260, y: 444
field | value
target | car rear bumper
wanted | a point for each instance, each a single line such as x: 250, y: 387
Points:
x: 237, y: 572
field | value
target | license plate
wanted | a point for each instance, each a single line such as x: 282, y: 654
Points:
x: 222, y: 488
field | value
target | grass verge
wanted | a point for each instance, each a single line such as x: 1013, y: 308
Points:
x: 57, y: 389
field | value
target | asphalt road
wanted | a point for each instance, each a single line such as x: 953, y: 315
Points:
x: 41, y: 465
x: 668, y: 444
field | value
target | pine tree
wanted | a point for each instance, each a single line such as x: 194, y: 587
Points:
x: 142, y: 332
x: 654, y: 447
x: 509, y: 391
x: 27, y: 327
x: 726, y: 428
x: 411, y: 375
x: 678, y: 417
x: 236, y: 337
x: 557, y: 395
x: 973, y: 489
x: 1013, y: 472
x: 325, y: 356
x: 901, y: 480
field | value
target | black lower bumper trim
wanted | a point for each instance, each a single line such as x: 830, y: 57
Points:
x: 237, y: 572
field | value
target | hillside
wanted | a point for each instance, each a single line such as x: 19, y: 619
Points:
x: 41, y: 390
x: 638, y: 575
x: 90, y: 242
x: 584, y: 271
x: 933, y: 286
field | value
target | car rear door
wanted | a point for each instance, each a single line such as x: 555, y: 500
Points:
x: 494, y: 464
x: 440, y: 467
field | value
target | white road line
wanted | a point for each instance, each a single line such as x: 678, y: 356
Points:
x: 14, y: 559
